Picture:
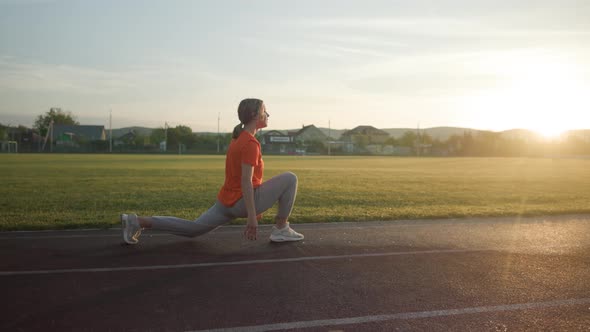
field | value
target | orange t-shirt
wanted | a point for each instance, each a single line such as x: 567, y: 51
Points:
x: 243, y: 150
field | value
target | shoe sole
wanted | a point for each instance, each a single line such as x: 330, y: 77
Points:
x: 124, y: 219
x: 284, y: 239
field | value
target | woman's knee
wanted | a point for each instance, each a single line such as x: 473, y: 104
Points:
x: 291, y: 177
x: 200, y: 229
x: 198, y: 232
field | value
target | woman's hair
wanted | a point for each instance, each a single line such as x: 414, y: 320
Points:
x: 247, y: 110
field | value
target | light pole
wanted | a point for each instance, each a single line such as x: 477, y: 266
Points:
x: 111, y: 131
x: 165, y: 136
x: 329, y: 136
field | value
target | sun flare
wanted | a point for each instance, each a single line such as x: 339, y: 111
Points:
x: 544, y: 94
x: 550, y: 131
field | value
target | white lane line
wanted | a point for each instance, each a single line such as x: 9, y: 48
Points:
x: 75, y: 236
x: 249, y: 262
x: 403, y: 316
x: 116, y: 233
x: 59, y: 230
x: 8, y: 235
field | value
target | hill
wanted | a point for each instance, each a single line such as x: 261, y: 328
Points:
x: 520, y: 134
x: 441, y: 133
x: 583, y: 134
x: 143, y: 131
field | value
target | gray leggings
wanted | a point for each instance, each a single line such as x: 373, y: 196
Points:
x: 281, y: 188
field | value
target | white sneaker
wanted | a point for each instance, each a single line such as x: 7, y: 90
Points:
x: 130, y: 227
x: 285, y: 234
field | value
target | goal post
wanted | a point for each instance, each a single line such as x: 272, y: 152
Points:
x: 12, y: 146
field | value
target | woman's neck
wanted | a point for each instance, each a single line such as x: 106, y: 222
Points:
x: 251, y: 128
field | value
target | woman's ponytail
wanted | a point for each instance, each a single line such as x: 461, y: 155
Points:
x: 248, y: 110
x: 237, y: 131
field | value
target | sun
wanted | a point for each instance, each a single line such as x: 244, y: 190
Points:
x: 535, y: 91
x: 550, y: 131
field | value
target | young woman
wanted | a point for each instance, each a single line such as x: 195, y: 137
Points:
x: 243, y: 194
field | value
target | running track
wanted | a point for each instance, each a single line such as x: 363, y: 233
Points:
x: 495, y: 274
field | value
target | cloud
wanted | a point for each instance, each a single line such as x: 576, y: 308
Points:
x: 37, y: 77
x: 27, y: 4
x: 418, y: 25
x: 358, y: 39
x: 167, y: 88
x: 24, y: 2
x: 479, y: 27
x: 464, y: 74
x: 166, y: 75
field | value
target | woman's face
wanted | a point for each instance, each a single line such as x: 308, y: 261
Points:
x: 262, y: 118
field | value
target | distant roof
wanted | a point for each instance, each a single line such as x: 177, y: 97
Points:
x: 365, y: 130
x: 92, y: 133
x: 130, y: 135
x: 306, y: 128
x: 273, y: 133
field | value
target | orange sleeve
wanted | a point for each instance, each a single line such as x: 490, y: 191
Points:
x: 250, y: 153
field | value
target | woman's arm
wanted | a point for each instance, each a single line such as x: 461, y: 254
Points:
x: 248, y: 194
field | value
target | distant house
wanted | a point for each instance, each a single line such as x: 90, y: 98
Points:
x: 363, y: 137
x: 292, y: 142
x: 274, y: 141
x: 72, y: 135
x: 372, y: 135
x: 126, y: 139
x: 310, y: 134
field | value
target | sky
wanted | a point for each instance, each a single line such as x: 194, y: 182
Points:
x: 492, y: 65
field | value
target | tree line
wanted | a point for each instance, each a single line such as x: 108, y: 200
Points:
x: 492, y: 144
x: 181, y: 137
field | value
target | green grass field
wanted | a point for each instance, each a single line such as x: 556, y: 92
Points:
x: 81, y: 191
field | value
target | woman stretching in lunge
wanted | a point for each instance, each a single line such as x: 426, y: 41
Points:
x: 243, y: 195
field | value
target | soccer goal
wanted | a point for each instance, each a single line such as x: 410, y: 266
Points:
x: 12, y: 146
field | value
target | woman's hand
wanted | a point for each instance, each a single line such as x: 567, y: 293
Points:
x: 251, y: 231
x: 248, y: 191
